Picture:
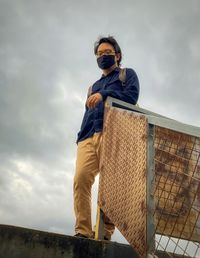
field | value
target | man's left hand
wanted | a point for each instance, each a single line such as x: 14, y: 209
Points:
x: 93, y: 100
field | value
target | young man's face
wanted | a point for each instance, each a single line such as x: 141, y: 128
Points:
x: 107, y: 49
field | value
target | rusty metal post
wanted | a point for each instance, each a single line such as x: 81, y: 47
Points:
x: 150, y: 185
x: 99, y: 229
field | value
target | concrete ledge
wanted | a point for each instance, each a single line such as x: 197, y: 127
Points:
x: 17, y: 242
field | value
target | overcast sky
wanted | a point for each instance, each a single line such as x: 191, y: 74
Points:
x: 47, y: 64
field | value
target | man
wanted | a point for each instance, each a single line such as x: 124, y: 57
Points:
x: 109, y: 55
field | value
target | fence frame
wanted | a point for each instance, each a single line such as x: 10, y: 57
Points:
x: 153, y: 119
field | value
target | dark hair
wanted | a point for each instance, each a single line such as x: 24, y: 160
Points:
x: 112, y: 42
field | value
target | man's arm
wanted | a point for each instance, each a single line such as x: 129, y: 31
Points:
x: 130, y: 93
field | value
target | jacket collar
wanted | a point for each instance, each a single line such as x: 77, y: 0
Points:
x: 117, y: 69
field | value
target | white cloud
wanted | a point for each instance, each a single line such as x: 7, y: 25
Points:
x: 47, y: 64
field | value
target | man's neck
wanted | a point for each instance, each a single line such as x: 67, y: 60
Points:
x: 109, y: 70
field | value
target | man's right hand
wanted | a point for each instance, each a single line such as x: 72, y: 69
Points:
x: 93, y: 100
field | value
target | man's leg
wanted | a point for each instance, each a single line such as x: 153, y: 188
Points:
x: 87, y: 167
x: 109, y: 227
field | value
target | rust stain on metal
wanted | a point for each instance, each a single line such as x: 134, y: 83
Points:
x: 122, y: 183
x: 123, y: 177
x: 177, y: 184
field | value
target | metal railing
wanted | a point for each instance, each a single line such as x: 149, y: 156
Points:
x: 150, y: 181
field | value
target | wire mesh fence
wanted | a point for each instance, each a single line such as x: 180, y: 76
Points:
x: 168, y: 226
x: 177, y: 193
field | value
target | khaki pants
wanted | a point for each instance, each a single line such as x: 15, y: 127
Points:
x: 87, y: 167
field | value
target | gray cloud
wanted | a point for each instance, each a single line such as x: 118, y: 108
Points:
x: 47, y: 64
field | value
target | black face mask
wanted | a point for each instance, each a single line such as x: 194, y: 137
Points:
x: 106, y: 61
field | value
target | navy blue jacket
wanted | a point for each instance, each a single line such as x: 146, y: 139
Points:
x: 109, y: 85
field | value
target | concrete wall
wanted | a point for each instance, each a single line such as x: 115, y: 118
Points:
x: 17, y: 242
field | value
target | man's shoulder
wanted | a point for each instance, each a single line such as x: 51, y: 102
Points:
x: 129, y: 70
x: 129, y: 73
x: 96, y: 85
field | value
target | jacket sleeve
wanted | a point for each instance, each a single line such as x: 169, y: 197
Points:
x: 129, y: 92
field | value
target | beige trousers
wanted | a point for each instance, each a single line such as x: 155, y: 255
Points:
x: 87, y: 167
